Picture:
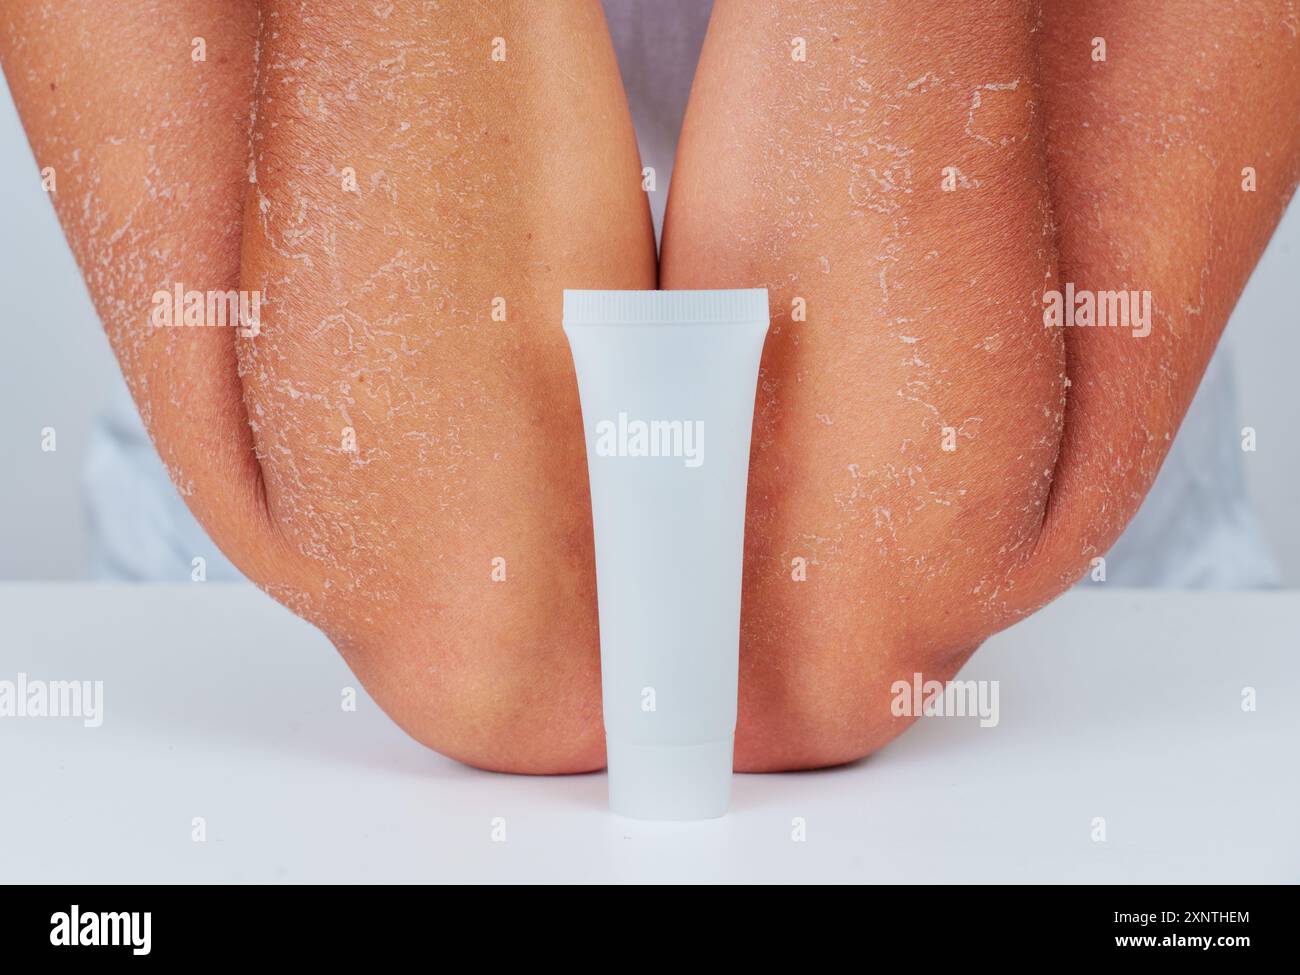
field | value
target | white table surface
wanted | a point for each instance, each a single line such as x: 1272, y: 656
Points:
x: 220, y: 704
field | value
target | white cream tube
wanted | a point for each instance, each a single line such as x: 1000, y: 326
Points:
x: 667, y: 382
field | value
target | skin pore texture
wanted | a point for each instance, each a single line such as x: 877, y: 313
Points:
x: 822, y: 180
x: 411, y: 209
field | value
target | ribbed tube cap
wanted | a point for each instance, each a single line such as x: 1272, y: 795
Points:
x: 669, y: 781
x: 665, y: 307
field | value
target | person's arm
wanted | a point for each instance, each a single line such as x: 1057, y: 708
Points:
x: 1170, y: 163
x: 397, y: 455
x: 428, y: 181
x: 884, y: 175
x: 149, y: 151
x: 898, y: 183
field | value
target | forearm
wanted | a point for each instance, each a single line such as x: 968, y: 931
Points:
x: 148, y: 152
x: 427, y: 182
x: 397, y: 453
x: 892, y: 183
x: 1170, y: 163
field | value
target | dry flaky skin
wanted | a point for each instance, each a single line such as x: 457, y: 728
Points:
x: 368, y: 455
x: 476, y: 179
x: 148, y: 151
x: 1146, y: 153
x: 822, y: 179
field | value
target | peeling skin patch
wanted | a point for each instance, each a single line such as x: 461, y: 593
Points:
x: 999, y: 114
x: 845, y: 209
x: 405, y: 435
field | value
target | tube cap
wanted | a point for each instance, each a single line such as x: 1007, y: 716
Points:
x: 669, y: 781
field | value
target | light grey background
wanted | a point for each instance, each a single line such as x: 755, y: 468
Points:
x: 58, y: 372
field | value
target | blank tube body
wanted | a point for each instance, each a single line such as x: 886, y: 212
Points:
x: 667, y: 382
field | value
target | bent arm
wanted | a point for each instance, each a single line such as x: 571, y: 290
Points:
x: 149, y: 149
x: 884, y: 178
x: 1170, y: 163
